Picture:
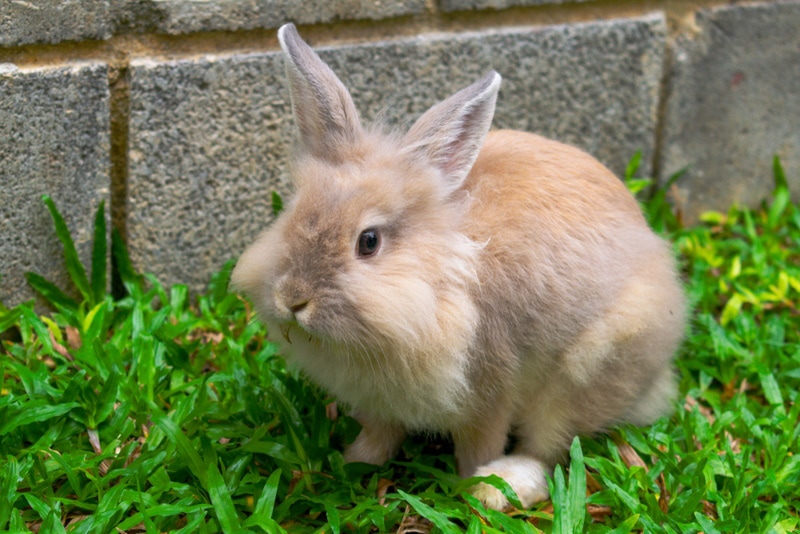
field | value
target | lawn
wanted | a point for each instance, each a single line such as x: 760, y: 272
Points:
x: 156, y: 410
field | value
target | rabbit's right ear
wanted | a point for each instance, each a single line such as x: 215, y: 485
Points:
x: 451, y: 133
x: 323, y: 109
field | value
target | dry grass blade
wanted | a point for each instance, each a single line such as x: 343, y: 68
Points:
x: 384, y: 485
x: 705, y: 411
x: 599, y: 513
x: 663, y: 494
x: 414, y: 524
x: 332, y: 411
x: 73, y: 338
x: 627, y: 453
x: 59, y: 348
x: 592, y: 485
x: 710, y: 509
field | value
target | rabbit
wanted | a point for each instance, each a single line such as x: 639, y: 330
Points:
x: 452, y: 280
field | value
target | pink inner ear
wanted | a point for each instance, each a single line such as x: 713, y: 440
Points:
x: 451, y: 133
x: 461, y: 151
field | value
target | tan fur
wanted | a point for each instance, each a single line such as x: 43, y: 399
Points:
x: 517, y: 287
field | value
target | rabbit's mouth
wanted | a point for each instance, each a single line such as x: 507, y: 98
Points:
x: 292, y: 329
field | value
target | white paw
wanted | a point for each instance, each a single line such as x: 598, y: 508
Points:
x: 525, y: 475
x: 490, y: 496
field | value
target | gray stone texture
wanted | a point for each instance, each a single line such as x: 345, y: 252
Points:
x: 208, y: 143
x: 209, y: 138
x: 52, y: 21
x: 733, y: 104
x: 54, y: 139
x: 182, y: 16
x: 462, y: 5
x: 25, y: 22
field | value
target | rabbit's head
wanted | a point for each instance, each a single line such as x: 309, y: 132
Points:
x: 370, y: 256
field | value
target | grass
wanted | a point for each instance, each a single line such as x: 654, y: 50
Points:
x: 157, y: 411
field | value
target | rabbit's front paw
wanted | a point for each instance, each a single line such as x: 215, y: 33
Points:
x: 375, y: 444
x: 524, y: 474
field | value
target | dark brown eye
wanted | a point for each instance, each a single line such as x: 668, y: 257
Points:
x: 369, y: 242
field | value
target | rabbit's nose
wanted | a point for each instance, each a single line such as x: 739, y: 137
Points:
x: 293, y: 296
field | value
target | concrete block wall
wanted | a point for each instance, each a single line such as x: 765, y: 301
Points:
x: 176, y: 112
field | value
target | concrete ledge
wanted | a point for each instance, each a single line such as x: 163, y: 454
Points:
x: 461, y: 5
x: 733, y: 105
x: 209, y: 138
x: 54, y: 124
x: 53, y: 21
x: 180, y: 16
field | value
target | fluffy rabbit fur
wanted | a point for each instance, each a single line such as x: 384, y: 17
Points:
x: 457, y: 281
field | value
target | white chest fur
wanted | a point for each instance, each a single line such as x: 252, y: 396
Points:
x: 420, y: 391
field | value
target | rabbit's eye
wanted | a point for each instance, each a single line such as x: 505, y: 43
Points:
x: 369, y: 242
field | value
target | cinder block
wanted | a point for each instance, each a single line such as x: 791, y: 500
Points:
x: 210, y: 138
x: 463, y: 5
x: 733, y: 105
x: 182, y: 16
x: 208, y: 144
x: 52, y: 21
x: 54, y: 139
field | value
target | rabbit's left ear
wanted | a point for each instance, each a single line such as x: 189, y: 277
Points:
x: 323, y: 109
x: 452, y: 132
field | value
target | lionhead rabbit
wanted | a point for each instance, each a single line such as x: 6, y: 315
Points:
x: 458, y: 281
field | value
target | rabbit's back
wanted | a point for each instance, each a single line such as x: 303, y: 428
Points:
x: 569, y: 254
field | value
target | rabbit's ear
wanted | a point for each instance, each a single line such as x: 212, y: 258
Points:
x: 452, y: 132
x: 323, y: 109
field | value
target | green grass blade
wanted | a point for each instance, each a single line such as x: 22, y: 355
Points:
x: 122, y: 262
x: 52, y: 524
x: 9, y: 318
x: 266, y: 502
x: 149, y: 526
x: 439, y: 519
x: 781, y: 196
x: 30, y: 318
x: 779, y: 174
x: 332, y: 514
x: 576, y: 493
x: 70, y: 471
x: 39, y: 506
x: 99, y: 255
x: 36, y: 412
x: 633, y: 166
x: 475, y: 526
x: 277, y: 203
x: 221, y: 500
x: 75, y: 268
x: 51, y: 293
x: 182, y: 443
x: 772, y: 391
x: 626, y: 526
x: 706, y: 523
x: 9, y: 479
x: 558, y: 493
